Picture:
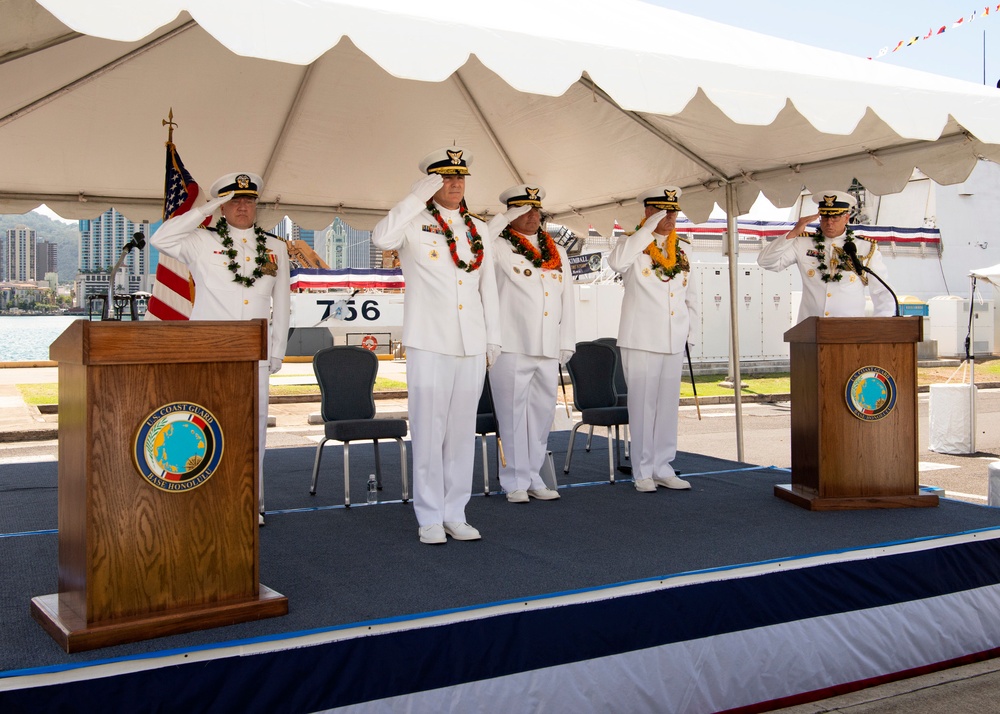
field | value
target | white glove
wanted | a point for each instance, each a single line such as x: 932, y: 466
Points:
x: 565, y: 356
x: 208, y: 209
x: 502, y: 220
x: 425, y: 187
x: 654, y: 220
x: 492, y: 352
x: 273, y: 365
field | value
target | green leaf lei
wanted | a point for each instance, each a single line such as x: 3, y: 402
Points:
x: 475, y: 242
x: 818, y: 241
x: 222, y: 228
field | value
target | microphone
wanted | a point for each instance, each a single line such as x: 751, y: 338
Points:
x: 852, y: 254
x: 860, y: 268
x: 138, y: 240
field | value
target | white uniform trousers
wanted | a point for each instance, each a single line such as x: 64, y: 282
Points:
x: 263, y: 381
x: 524, y: 394
x: 654, y: 388
x: 443, y: 396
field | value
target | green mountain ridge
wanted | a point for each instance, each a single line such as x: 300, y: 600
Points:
x: 65, y: 235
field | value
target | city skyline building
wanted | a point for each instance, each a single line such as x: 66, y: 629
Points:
x: 101, y: 243
x: 347, y: 247
x: 17, y: 262
x: 46, y: 258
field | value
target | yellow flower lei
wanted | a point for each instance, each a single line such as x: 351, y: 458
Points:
x: 667, y: 266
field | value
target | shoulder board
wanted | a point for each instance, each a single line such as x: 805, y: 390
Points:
x: 478, y: 217
x: 629, y: 233
x: 271, y: 235
x: 209, y: 228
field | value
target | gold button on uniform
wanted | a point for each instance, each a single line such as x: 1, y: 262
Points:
x: 826, y: 314
x: 459, y: 282
x: 546, y: 313
x: 246, y: 302
x: 459, y: 307
x: 829, y: 294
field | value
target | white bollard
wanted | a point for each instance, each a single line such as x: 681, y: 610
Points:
x: 993, y: 484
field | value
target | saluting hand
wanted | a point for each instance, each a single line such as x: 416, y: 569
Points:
x: 800, y: 226
x: 425, y: 187
x: 502, y: 220
x: 209, y: 208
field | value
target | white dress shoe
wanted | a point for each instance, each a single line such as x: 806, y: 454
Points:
x: 645, y: 485
x: 671, y: 481
x: 543, y: 494
x: 461, y: 531
x: 517, y: 496
x: 433, y: 533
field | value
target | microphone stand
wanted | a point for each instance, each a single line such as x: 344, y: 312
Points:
x: 138, y: 241
x: 871, y: 272
x: 860, y: 268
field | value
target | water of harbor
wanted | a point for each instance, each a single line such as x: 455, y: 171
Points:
x: 26, y: 338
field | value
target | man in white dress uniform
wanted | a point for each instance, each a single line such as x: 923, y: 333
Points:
x: 830, y: 288
x: 660, y: 314
x: 538, y: 332
x: 451, y: 331
x: 240, y: 273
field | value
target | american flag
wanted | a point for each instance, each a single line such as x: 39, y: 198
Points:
x: 173, y: 291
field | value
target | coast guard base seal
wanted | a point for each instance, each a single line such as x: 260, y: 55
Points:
x: 871, y: 393
x: 178, y: 447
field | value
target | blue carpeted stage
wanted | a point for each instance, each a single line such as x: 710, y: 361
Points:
x: 719, y: 598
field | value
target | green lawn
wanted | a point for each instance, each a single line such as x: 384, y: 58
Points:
x: 987, y: 370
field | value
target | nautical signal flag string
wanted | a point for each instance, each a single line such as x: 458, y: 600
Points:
x: 960, y: 22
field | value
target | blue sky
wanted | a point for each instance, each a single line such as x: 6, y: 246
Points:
x: 863, y: 27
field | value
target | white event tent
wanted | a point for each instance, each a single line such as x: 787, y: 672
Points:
x: 333, y: 102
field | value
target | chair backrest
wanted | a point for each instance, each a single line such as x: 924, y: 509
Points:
x: 621, y: 388
x: 592, y: 371
x: 346, y: 377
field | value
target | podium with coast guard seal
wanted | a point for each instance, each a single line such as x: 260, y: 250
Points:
x: 157, y: 497
x: 854, y: 414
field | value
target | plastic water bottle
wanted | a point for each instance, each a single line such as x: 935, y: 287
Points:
x: 372, y: 490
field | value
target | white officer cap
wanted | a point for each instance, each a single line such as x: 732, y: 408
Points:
x: 665, y: 198
x: 523, y: 195
x: 834, y: 203
x: 238, y: 184
x: 449, y: 161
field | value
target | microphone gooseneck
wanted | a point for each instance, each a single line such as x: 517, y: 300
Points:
x: 860, y: 268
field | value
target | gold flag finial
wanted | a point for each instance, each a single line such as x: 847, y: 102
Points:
x: 169, y: 122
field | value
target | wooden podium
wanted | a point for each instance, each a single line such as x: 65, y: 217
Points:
x: 846, y: 454
x: 143, y: 556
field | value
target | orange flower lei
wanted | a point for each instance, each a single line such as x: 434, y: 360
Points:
x: 667, y: 266
x: 546, y: 256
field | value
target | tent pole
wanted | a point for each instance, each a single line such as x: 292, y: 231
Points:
x: 970, y: 354
x: 733, y: 250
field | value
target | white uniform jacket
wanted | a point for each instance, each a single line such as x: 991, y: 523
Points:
x: 657, y: 316
x: 537, y: 309
x: 843, y: 298
x: 446, y: 310
x: 217, y: 295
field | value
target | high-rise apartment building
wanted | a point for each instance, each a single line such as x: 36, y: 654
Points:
x: 101, y: 243
x: 17, y: 262
x: 46, y: 258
